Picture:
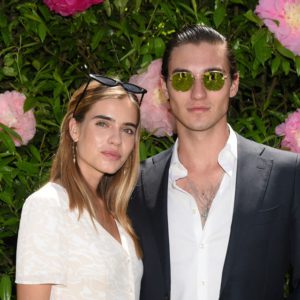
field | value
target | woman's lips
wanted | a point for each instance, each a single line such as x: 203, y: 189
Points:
x: 111, y: 154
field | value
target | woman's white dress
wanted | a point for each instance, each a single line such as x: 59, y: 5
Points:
x: 81, y: 262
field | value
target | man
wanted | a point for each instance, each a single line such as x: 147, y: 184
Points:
x: 218, y: 216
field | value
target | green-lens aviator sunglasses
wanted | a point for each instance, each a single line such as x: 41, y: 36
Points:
x: 212, y: 80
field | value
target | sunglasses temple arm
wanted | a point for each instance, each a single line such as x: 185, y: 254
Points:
x: 82, y: 95
x: 143, y: 94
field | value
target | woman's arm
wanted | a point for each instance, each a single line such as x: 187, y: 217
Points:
x: 33, y: 291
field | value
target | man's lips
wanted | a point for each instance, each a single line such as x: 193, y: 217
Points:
x: 198, y: 109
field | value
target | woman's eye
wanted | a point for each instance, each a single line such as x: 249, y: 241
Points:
x: 129, y: 131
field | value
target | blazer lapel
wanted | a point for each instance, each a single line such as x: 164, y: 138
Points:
x: 253, y: 173
x: 152, y: 175
x: 155, y: 183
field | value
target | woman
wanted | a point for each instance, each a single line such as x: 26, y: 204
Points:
x: 75, y: 240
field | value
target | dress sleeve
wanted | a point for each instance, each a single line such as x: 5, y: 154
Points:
x: 42, y: 246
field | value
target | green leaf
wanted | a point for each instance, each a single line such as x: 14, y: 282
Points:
x: 9, y: 71
x: 297, y: 63
x: 6, y: 135
x: 32, y: 16
x: 159, y: 47
x: 107, y: 7
x: 5, y: 288
x: 286, y: 66
x: 194, y: 4
x: 6, y: 197
x: 129, y: 53
x: 6, y: 36
x: 166, y: 10
x: 262, y: 50
x: 36, y: 64
x: 30, y: 102
x: 42, y: 31
x: 147, y: 59
x: 251, y: 16
x: 296, y: 99
x: 35, y: 152
x: 11, y: 221
x: 143, y: 151
x: 97, y: 37
x: 284, y: 51
x: 9, y: 59
x: 45, y: 11
x: 219, y: 15
x: 137, y: 5
x: 28, y: 167
x: 275, y: 64
x: 4, y: 161
x: 120, y: 5
x: 3, y: 19
x: 57, y: 76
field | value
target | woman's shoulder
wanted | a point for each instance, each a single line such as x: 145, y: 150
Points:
x: 49, y: 195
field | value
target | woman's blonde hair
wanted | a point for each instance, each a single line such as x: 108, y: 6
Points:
x: 114, y: 189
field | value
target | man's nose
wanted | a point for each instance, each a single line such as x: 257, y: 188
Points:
x: 198, y: 90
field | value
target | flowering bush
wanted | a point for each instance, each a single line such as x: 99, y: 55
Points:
x: 156, y: 116
x: 282, y: 17
x: 290, y: 129
x: 13, y: 116
x: 70, y: 7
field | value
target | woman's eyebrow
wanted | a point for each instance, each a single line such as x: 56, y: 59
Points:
x: 104, y: 117
x: 108, y: 118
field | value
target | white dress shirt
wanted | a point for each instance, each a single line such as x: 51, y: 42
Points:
x: 197, y: 254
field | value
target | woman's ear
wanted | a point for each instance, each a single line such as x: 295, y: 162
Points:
x: 234, y: 85
x: 74, y: 130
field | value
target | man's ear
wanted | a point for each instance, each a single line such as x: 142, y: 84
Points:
x: 234, y: 85
x: 74, y: 130
x: 164, y: 87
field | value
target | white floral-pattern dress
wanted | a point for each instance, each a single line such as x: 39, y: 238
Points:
x: 81, y: 262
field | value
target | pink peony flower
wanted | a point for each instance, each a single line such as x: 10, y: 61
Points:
x: 290, y: 129
x: 282, y: 17
x: 70, y: 7
x: 13, y: 116
x: 156, y: 116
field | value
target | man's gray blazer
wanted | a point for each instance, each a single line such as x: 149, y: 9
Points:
x: 264, y: 241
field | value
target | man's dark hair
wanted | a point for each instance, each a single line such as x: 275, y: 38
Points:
x: 196, y: 34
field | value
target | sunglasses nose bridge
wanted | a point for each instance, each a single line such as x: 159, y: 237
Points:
x: 198, y: 88
x: 197, y: 78
x: 200, y: 77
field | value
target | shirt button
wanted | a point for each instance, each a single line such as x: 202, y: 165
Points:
x: 201, y: 246
x: 194, y: 211
x: 203, y: 283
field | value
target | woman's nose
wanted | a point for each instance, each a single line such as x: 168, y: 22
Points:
x: 115, y: 137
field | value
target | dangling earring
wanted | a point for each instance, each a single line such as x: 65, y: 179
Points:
x: 74, y: 152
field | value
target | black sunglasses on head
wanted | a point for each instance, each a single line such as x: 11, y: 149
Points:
x: 110, y: 82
